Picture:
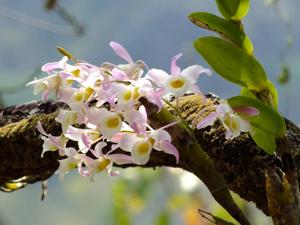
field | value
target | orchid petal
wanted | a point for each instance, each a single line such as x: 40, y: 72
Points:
x: 208, y: 120
x: 175, y: 70
x: 121, y: 51
x: 159, y: 77
x: 128, y: 141
x: 194, y: 88
x: 86, y: 141
x: 170, y: 149
x: 160, y: 135
x: 98, y: 149
x: 41, y: 129
x: 110, y: 124
x: 70, y: 152
x: 118, y: 74
x: 141, y: 152
x: 74, y: 133
x: 143, y: 112
x: 193, y: 72
x: 121, y: 159
x: 50, y: 66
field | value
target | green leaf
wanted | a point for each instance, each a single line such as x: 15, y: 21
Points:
x: 248, y: 46
x: 247, y: 93
x: 271, y: 91
x: 232, y: 63
x: 233, y: 9
x: 225, y: 28
x: 274, y: 94
x: 267, y: 120
x: 263, y: 140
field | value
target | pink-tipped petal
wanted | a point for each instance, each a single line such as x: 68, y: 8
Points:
x: 160, y: 135
x: 155, y: 99
x: 64, y: 75
x: 98, y: 149
x: 175, y: 70
x: 193, y: 72
x: 41, y: 129
x: 247, y: 110
x: 208, y: 121
x: 159, y: 77
x: 194, y: 88
x: 121, y: 159
x: 86, y: 140
x: 143, y: 112
x: 128, y: 141
x: 170, y: 149
x: 121, y: 51
x: 70, y: 152
x: 137, y: 127
x: 118, y: 74
x: 50, y: 66
x: 54, y: 141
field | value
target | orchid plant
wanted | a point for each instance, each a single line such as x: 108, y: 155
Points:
x: 104, y: 116
x: 101, y: 99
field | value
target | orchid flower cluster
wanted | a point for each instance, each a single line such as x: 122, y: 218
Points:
x: 101, y: 99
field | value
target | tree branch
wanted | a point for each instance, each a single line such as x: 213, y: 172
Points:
x: 243, y: 165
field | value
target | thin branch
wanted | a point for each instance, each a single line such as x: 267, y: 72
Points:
x: 33, y: 22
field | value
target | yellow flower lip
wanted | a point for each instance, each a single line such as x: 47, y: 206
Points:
x: 76, y: 72
x: 102, y: 164
x: 178, y: 83
x: 112, y: 122
x: 127, y: 96
x: 78, y: 96
x: 143, y: 148
x: 136, y: 93
x: 88, y: 93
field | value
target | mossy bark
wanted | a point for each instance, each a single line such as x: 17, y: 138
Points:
x: 243, y: 165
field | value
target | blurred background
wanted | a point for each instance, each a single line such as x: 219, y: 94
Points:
x: 153, y: 31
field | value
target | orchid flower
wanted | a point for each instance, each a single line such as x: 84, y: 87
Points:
x: 134, y: 70
x: 137, y: 119
x: 84, y: 137
x: 52, y: 143
x: 140, y: 142
x: 105, y: 161
x: 109, y: 123
x: 73, y: 160
x: 53, y: 66
x: 67, y: 118
x: 179, y: 82
x: 76, y: 98
x: 46, y: 85
x: 233, y: 123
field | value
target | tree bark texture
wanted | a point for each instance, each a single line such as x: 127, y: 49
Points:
x: 243, y: 165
